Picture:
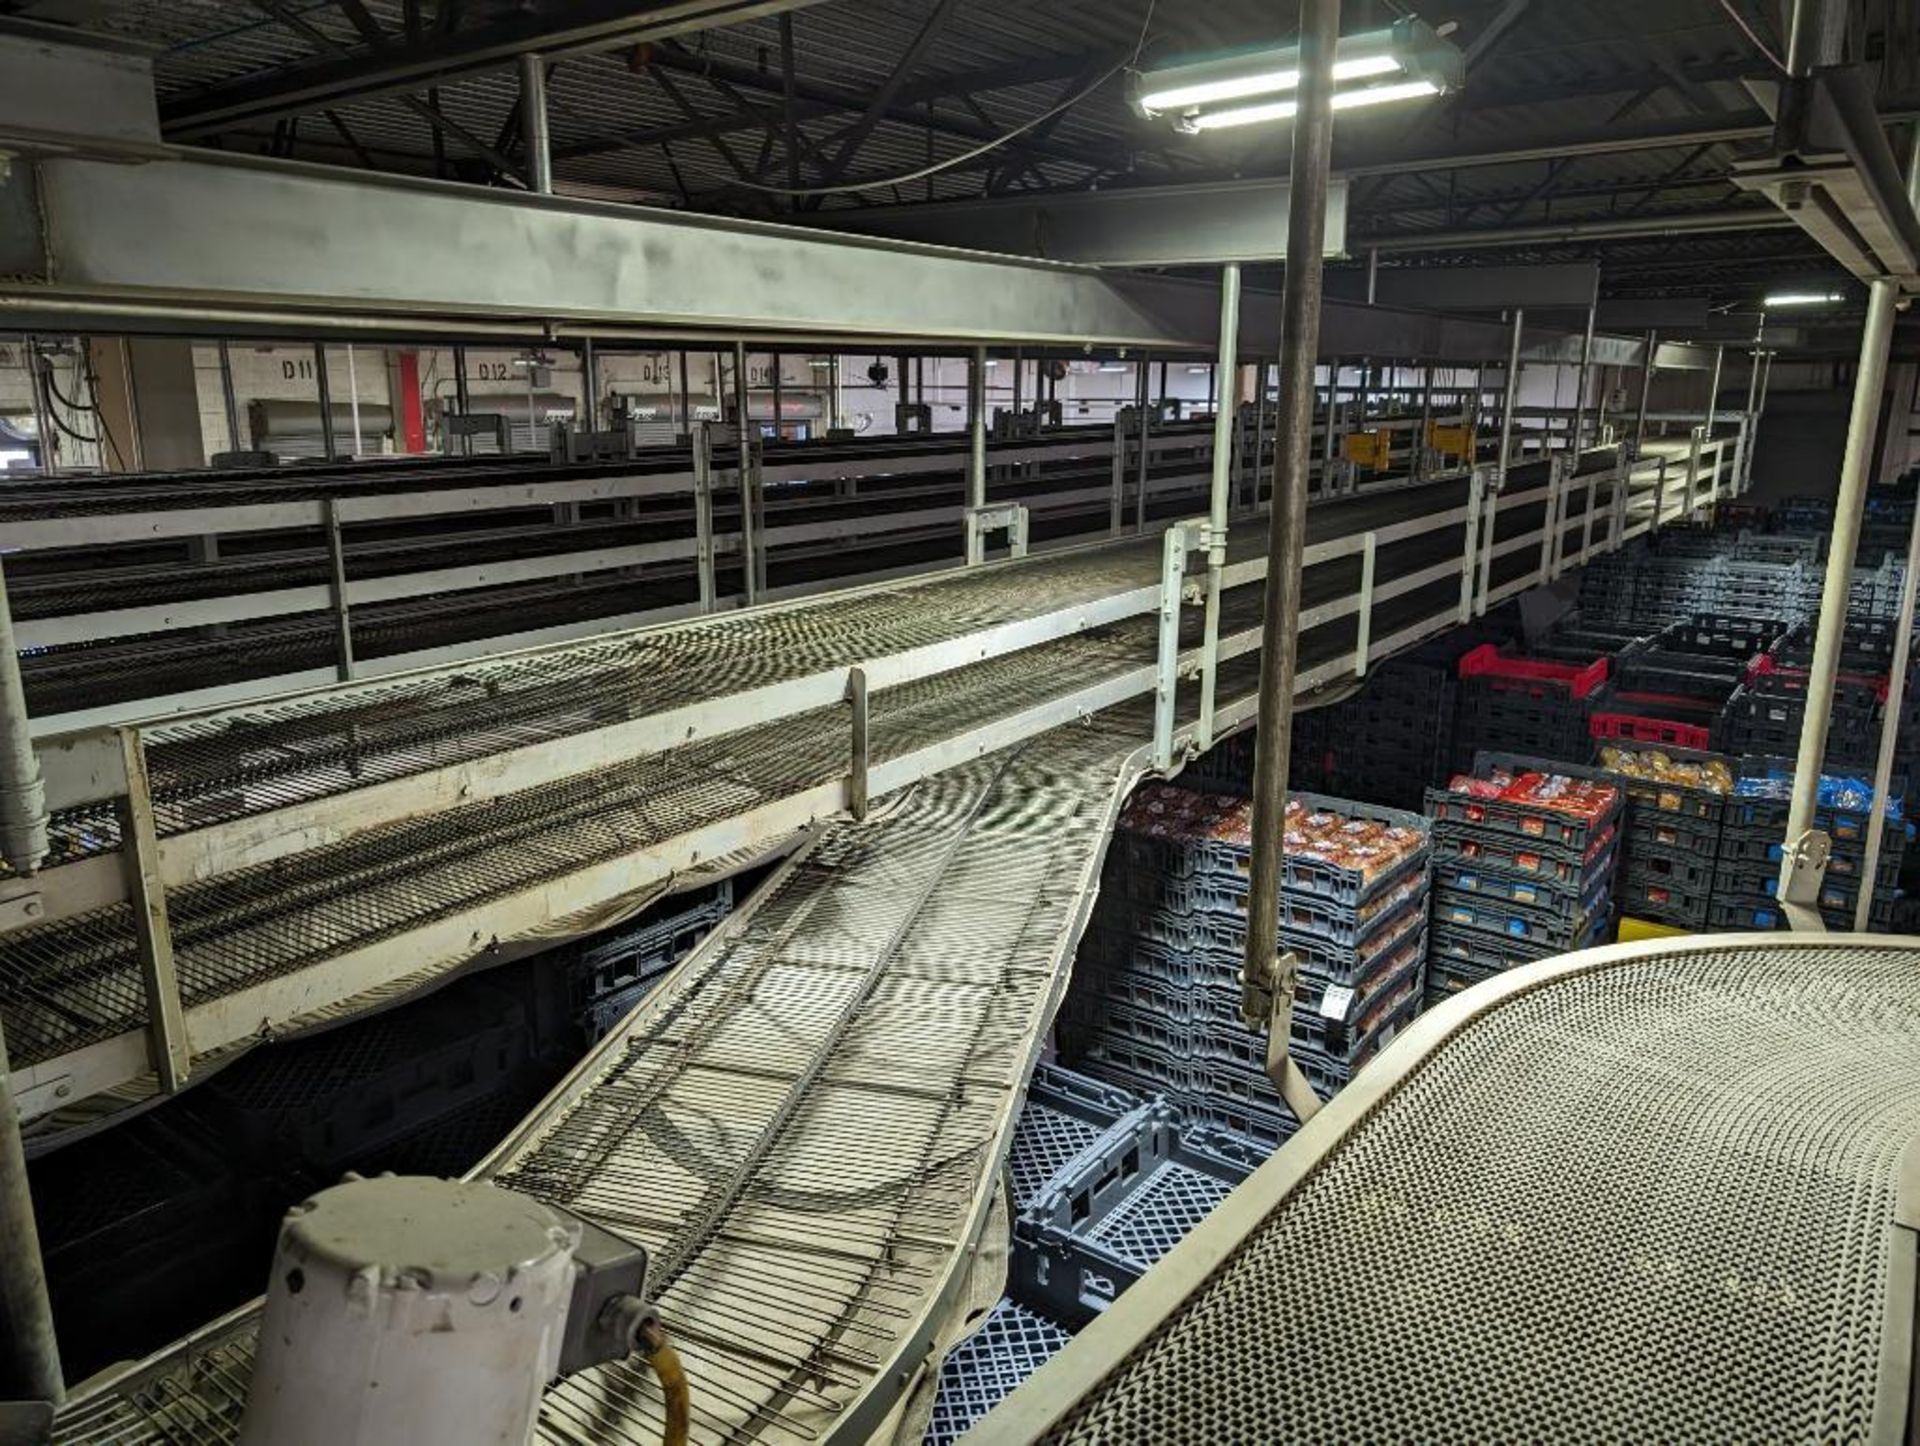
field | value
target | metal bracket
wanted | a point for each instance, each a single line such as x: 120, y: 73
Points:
x: 1288, y: 1078
x: 1176, y: 542
x: 337, y: 585
x: 861, y: 754
x: 1803, y: 870
x: 1008, y: 516
x: 24, y: 906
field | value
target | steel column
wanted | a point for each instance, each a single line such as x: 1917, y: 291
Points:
x: 533, y: 123
x: 1218, y: 498
x: 977, y: 427
x: 1713, y: 388
x: 1509, y: 395
x: 1759, y: 411
x: 1580, y: 391
x: 1646, y: 393
x: 1804, y: 856
x: 461, y: 398
x: 325, y: 389
x: 23, y: 794
x: 227, y: 397
x: 30, y: 1360
x: 752, y: 544
x: 590, y: 384
x: 1146, y: 431
x: 1269, y: 979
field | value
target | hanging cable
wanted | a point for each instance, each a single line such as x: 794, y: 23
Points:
x: 1746, y: 28
x: 846, y: 187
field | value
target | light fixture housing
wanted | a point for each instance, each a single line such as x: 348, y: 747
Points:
x: 1802, y: 298
x: 1407, y: 60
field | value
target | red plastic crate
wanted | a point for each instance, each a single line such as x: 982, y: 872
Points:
x: 1537, y: 677
x: 1638, y: 728
x: 1764, y: 665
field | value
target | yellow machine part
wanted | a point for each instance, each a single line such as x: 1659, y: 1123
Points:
x: 1454, y: 441
x: 1634, y: 930
x: 1368, y: 449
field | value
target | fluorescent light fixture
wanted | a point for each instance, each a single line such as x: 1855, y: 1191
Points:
x: 821, y: 366
x: 1405, y: 61
x: 1264, y: 81
x: 1112, y: 367
x: 1803, y: 298
x: 1198, y: 371
x: 1276, y: 110
x: 992, y: 363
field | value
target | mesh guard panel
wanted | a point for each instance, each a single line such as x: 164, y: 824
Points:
x: 1652, y: 1201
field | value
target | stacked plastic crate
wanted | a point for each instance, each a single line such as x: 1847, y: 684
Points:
x: 1766, y: 714
x: 1155, y: 1005
x: 1524, y: 852
x: 610, y: 972
x: 1536, y: 706
x: 1103, y: 1183
x: 1673, y: 688
x: 1676, y: 805
x: 1747, y: 871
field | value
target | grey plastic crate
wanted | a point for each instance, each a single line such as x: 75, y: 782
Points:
x: 1009, y: 1345
x: 1077, y: 1248
x: 1065, y: 1114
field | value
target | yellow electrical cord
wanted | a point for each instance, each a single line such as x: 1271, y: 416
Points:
x: 665, y: 1361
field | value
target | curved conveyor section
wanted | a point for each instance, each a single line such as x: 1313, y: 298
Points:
x: 1644, y: 1193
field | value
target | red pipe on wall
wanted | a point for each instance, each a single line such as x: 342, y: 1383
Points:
x: 413, y: 426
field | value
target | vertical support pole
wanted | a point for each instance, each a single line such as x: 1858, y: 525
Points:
x: 977, y: 427
x: 1258, y: 462
x: 227, y: 397
x: 1804, y: 855
x: 462, y: 400
x: 1269, y: 979
x: 1373, y: 274
x: 353, y: 400
x: 1510, y: 394
x: 1019, y: 366
x: 742, y: 423
x: 153, y: 934
x: 29, y: 1349
x: 703, y: 516
x: 1646, y: 393
x: 533, y: 123
x: 779, y: 399
x: 337, y: 587
x: 1329, y: 444
x: 1759, y: 411
x: 23, y: 793
x: 1117, y: 510
x: 860, y: 754
x: 325, y: 389
x: 589, y: 384
x: 1166, y: 680
x: 1549, y: 543
x: 1363, y: 628
x: 1146, y: 432
x: 1470, y: 544
x: 1221, y: 479
x: 1713, y: 389
x: 1579, y: 427
x: 754, y: 496
x: 686, y: 396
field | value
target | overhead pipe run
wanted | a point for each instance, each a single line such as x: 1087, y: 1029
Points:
x: 533, y: 124
x: 1268, y: 977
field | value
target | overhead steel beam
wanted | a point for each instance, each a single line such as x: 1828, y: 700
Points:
x: 1602, y: 229
x: 1140, y: 226
x: 1495, y: 31
x: 341, y: 241
x: 1833, y: 174
x: 410, y: 63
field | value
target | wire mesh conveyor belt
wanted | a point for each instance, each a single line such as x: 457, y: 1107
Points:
x: 805, y: 1123
x: 1646, y: 1193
